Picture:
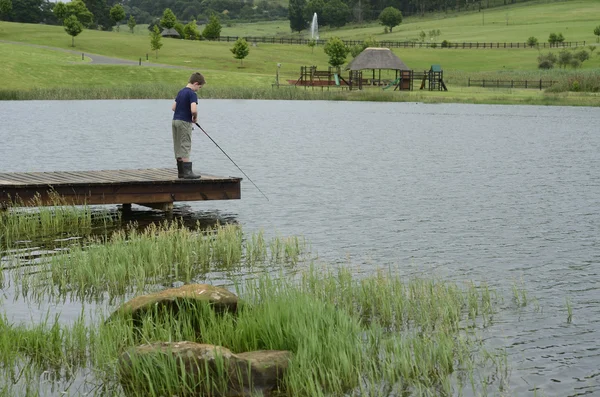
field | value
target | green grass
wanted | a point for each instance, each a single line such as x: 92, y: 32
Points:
x: 38, y: 72
x: 128, y: 261
x: 348, y: 335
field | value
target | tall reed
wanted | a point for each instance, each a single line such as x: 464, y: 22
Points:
x: 34, y: 220
x: 137, y: 260
x: 349, y: 336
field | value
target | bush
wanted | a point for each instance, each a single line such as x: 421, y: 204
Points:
x: 545, y: 64
x: 445, y: 44
x: 532, y: 42
x: 582, y: 55
x: 564, y: 58
x: 546, y: 61
x: 575, y: 86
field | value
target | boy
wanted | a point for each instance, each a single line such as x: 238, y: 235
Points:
x: 185, y: 110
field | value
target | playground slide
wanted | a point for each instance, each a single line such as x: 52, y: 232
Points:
x: 393, y: 83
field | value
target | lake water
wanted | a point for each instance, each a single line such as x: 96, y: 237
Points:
x: 502, y: 194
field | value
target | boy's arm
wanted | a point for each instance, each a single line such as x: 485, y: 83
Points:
x: 194, y: 109
x: 173, y: 106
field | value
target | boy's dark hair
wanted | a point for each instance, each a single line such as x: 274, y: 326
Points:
x: 197, y: 78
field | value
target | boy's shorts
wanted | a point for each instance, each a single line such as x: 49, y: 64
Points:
x: 182, y: 138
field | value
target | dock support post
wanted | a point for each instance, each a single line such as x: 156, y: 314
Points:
x: 165, y: 207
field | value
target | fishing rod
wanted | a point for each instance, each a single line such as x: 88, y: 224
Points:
x: 213, y: 141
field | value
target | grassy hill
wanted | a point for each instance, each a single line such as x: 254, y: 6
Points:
x: 27, y: 67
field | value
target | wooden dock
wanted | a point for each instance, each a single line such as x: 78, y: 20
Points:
x: 156, y: 188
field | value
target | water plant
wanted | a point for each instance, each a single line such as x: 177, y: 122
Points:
x: 34, y: 220
x: 348, y: 335
x: 137, y: 260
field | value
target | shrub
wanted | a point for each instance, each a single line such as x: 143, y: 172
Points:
x: 445, y: 44
x: 532, y: 42
x: 575, y: 85
x: 564, y: 58
x: 582, y: 55
x: 546, y: 61
x: 575, y: 63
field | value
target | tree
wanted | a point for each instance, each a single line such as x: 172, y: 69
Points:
x: 155, y: 40
x: 28, y: 11
x: 336, y: 13
x: 101, y: 12
x: 190, y: 31
x: 5, y: 7
x: 131, y: 23
x: 240, y: 50
x: 315, y: 7
x: 117, y: 14
x: 296, y: 15
x: 564, y: 58
x: 76, y: 8
x: 73, y: 27
x: 582, y: 56
x: 179, y: 29
x: 532, y: 42
x: 80, y: 10
x: 60, y: 10
x: 337, y: 51
x: 168, y: 19
x: 212, y: 30
x: 312, y: 43
x: 597, y: 33
x: 390, y: 17
x: 546, y: 61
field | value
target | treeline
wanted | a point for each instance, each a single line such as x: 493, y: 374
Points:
x: 42, y: 11
x: 330, y: 12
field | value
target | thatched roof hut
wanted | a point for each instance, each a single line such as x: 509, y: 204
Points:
x: 170, y: 33
x: 377, y: 58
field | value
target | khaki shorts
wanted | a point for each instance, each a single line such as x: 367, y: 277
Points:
x: 182, y: 138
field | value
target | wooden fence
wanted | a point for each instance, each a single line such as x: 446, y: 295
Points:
x: 404, y: 44
x: 537, y: 84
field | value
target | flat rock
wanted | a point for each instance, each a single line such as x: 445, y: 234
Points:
x: 220, y: 299
x: 246, y: 373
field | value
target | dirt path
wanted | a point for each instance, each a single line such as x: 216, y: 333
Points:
x: 99, y: 59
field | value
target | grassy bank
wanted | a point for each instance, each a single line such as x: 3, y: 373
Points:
x: 456, y: 95
x: 60, y: 72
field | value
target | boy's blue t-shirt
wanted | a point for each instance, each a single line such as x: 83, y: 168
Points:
x: 184, y: 100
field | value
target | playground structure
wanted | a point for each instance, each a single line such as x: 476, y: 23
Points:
x: 311, y: 77
x: 376, y: 60
x: 431, y: 80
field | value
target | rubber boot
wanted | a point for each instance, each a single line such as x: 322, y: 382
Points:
x: 179, y: 169
x: 187, y: 171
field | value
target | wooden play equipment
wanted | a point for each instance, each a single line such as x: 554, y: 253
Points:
x: 435, y: 77
x: 311, y: 77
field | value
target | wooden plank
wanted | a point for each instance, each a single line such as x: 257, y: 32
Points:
x: 158, y: 186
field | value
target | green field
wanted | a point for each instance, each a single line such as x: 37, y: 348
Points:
x: 29, y: 67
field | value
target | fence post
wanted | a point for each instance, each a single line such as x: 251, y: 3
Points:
x: 525, y: 83
x: 469, y: 82
x: 140, y: 61
x: 82, y: 58
x: 483, y: 83
x: 540, y: 84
